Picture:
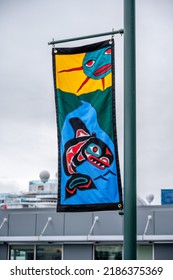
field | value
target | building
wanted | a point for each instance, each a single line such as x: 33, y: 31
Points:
x: 42, y: 233
x: 30, y: 228
x: 42, y: 193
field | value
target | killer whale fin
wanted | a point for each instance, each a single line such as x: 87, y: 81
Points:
x: 79, y: 127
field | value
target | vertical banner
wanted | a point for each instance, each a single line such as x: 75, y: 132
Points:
x: 88, y: 169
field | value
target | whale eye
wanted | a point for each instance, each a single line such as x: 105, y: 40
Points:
x: 94, y: 150
x: 108, y: 51
x: 90, y: 63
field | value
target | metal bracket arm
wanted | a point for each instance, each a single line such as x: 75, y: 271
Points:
x: 48, y: 221
x: 3, y: 222
x: 120, y: 31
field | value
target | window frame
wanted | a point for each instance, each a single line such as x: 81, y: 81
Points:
x: 35, y: 248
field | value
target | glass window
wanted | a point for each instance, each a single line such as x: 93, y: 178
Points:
x: 49, y: 252
x: 21, y: 252
x: 144, y: 252
x: 41, y: 188
x: 108, y: 252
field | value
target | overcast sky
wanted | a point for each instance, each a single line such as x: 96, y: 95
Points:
x: 28, y: 141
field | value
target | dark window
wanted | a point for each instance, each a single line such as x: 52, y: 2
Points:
x: 49, y: 252
x: 108, y: 252
x: 21, y: 252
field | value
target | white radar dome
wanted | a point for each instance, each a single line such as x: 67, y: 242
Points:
x: 150, y: 198
x: 44, y: 176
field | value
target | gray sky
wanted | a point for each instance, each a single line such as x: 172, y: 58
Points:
x: 28, y: 142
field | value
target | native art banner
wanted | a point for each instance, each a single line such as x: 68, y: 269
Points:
x: 88, y: 169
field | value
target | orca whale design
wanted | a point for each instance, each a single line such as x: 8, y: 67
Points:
x: 83, y: 147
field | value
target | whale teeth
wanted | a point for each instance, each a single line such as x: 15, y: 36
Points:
x: 98, y: 163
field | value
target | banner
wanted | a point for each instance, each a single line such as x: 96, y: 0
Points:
x: 88, y: 169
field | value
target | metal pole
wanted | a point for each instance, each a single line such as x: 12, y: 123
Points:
x: 129, y: 131
x: 121, y: 31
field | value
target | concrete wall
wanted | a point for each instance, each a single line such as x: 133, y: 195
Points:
x: 30, y: 222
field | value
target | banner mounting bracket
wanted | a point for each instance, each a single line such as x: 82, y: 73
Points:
x: 113, y: 32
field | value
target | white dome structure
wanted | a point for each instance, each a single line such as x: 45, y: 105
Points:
x: 44, y: 176
x: 150, y: 198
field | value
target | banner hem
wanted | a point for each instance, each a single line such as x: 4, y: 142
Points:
x: 90, y: 207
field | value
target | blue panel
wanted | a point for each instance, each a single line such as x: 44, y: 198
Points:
x: 167, y: 196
